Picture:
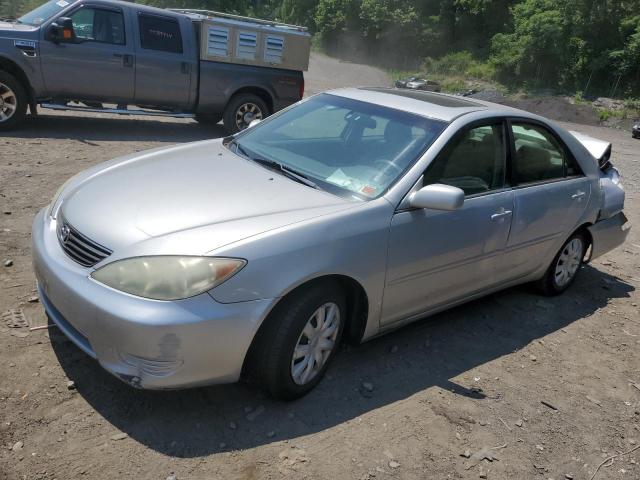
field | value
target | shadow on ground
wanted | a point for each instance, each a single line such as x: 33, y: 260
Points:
x: 193, y: 423
x: 109, y: 128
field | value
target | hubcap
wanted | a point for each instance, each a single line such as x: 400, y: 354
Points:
x: 315, y: 344
x: 246, y: 113
x: 8, y: 103
x: 568, y: 262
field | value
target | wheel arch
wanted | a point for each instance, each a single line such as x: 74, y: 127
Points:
x: 261, y: 92
x: 584, y: 230
x: 14, y: 69
x: 357, y: 311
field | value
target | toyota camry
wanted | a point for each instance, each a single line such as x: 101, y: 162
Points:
x: 340, y: 218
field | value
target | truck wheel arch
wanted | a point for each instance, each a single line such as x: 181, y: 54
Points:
x: 261, y: 92
x: 14, y: 69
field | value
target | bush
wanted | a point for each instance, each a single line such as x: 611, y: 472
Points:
x: 459, y: 64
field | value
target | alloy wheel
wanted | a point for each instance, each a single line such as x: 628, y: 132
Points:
x: 246, y: 113
x: 316, y: 343
x: 8, y: 102
x: 568, y: 262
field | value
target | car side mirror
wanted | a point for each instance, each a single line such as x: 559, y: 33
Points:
x: 61, y: 31
x: 437, y: 197
x: 254, y: 122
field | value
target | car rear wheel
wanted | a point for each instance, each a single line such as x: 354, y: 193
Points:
x: 13, y: 102
x: 565, y: 266
x: 242, y: 109
x: 300, y: 341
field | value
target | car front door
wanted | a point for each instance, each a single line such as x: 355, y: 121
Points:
x: 437, y: 257
x: 98, y: 64
x: 163, y: 70
x: 551, y: 195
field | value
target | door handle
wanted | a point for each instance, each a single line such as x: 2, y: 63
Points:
x: 127, y: 60
x: 499, y: 215
x: 578, y: 194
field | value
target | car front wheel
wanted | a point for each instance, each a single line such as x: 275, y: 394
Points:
x: 565, y: 266
x: 300, y: 341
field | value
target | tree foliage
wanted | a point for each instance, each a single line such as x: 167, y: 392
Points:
x: 580, y: 45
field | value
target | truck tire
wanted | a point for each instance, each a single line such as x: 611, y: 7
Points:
x: 241, y: 110
x: 208, y: 118
x: 13, y: 102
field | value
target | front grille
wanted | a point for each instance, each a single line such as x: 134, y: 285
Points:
x: 80, y: 248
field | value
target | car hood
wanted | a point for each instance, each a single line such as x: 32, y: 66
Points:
x: 195, y: 188
x: 6, y: 27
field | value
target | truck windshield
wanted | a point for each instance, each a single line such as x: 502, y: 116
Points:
x: 43, y: 12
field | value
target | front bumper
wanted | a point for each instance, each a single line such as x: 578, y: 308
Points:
x: 146, y: 343
x: 608, y: 234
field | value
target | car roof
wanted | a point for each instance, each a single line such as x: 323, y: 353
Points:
x: 438, y: 106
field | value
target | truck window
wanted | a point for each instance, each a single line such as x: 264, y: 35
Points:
x: 98, y: 25
x: 160, y: 33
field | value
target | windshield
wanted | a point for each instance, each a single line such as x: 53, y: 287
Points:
x: 43, y: 12
x: 345, y: 146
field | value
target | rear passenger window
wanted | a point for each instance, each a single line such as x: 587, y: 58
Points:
x: 539, y: 156
x: 160, y: 33
x: 473, y: 161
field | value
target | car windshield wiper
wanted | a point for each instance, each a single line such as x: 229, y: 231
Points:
x: 273, y: 165
x: 287, y: 171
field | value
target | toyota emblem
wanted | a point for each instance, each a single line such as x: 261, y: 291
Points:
x: 65, y: 233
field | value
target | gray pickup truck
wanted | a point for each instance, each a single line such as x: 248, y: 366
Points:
x: 117, y: 57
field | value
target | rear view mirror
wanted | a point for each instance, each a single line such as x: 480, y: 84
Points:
x: 61, y: 31
x: 437, y: 197
x: 254, y: 122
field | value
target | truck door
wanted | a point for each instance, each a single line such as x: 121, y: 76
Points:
x: 99, y: 64
x: 165, y: 62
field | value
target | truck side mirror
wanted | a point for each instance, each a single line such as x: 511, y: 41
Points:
x: 61, y: 31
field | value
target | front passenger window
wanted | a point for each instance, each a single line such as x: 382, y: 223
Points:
x: 474, y: 161
x: 98, y: 25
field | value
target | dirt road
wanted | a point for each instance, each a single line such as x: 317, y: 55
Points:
x: 471, y: 380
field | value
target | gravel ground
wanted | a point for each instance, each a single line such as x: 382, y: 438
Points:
x: 409, y: 405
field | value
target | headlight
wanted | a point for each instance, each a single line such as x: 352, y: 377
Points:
x: 167, y: 277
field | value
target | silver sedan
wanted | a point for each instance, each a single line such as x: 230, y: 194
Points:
x: 341, y: 218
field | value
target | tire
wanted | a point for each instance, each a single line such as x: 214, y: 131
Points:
x: 13, y: 102
x: 236, y: 114
x: 565, y: 266
x: 278, y: 371
x: 208, y: 118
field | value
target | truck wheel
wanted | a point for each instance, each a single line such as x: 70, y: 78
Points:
x: 241, y: 110
x: 208, y: 118
x: 13, y: 102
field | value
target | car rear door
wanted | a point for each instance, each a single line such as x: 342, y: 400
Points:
x: 98, y: 65
x: 166, y: 61
x: 437, y: 257
x: 551, y: 196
